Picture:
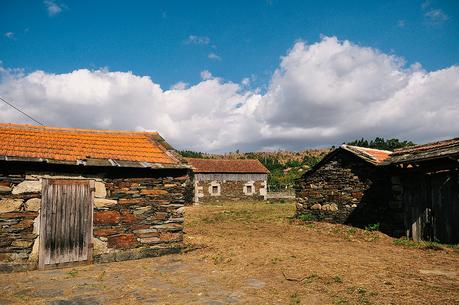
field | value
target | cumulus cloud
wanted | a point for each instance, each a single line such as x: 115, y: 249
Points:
x: 193, y: 39
x: 9, y: 35
x: 321, y: 94
x: 214, y: 56
x: 53, y: 7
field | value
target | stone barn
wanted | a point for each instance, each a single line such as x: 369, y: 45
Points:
x: 349, y: 185
x: 425, y: 182
x: 74, y: 196
x: 217, y: 180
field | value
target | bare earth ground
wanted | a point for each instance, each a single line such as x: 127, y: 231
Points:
x: 254, y: 254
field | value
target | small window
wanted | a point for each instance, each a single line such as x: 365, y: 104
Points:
x: 214, y: 189
x: 249, y: 189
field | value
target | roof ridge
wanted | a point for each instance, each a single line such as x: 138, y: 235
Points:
x: 70, y: 129
x: 368, y: 148
x: 430, y: 145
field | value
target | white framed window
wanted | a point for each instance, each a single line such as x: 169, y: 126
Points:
x: 215, y: 188
x: 249, y: 188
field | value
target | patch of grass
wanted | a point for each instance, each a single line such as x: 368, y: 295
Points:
x: 73, y: 273
x: 306, y: 217
x: 295, y: 298
x: 352, y: 231
x: 373, y: 227
x: 337, y: 279
x: 423, y: 245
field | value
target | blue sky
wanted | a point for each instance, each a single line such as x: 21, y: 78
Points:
x: 248, y: 37
x: 218, y: 76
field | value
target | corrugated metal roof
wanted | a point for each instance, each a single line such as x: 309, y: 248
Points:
x: 84, y: 146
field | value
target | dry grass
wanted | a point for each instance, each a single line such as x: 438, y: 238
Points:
x: 315, y: 263
x: 256, y: 254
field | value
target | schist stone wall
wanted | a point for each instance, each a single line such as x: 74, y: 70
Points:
x: 346, y: 189
x: 134, y: 217
x: 214, y: 188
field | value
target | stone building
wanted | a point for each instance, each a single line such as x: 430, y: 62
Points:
x: 228, y: 180
x: 349, y: 185
x: 425, y: 185
x: 73, y: 196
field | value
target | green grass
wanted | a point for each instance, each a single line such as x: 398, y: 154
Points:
x: 424, y: 245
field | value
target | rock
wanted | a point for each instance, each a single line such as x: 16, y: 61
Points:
x: 122, y: 241
x: 141, y: 210
x: 353, y: 206
x: 10, y: 205
x: 326, y: 207
x: 102, y: 203
x: 5, y: 189
x: 333, y: 207
x: 153, y: 192
x: 104, y: 232
x: 145, y: 231
x: 33, y: 256
x: 21, y: 243
x: 148, y: 240
x: 36, y: 225
x: 299, y: 206
x: 100, y: 192
x: 106, y: 217
x: 27, y: 187
x: 33, y: 204
x: 316, y: 206
x: 100, y: 246
x: 127, y: 217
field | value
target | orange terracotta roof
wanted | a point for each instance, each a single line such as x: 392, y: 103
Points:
x: 71, y: 144
x: 227, y: 166
x: 375, y: 156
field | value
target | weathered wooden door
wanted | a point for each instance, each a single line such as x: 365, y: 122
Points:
x: 445, y: 207
x: 66, y: 223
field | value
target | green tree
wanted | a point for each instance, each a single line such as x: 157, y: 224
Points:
x: 381, y: 143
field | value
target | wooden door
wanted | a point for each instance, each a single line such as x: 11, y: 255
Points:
x: 66, y: 223
x: 445, y: 207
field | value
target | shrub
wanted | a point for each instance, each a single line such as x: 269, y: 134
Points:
x: 306, y: 217
x: 372, y: 227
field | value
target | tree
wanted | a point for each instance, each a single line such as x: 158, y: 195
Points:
x: 381, y: 143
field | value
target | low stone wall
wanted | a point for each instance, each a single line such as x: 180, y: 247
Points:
x: 133, y: 217
x: 348, y: 190
x: 229, y: 191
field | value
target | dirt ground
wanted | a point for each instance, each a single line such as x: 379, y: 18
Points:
x: 255, y: 254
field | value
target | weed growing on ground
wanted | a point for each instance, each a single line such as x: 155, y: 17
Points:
x: 295, y: 298
x: 373, y: 227
x: 337, y: 279
x: 306, y: 217
x: 423, y: 245
x: 73, y: 273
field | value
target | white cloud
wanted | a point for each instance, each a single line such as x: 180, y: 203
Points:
x: 193, y: 39
x: 213, y: 56
x: 206, y: 75
x: 180, y: 86
x: 321, y: 94
x: 9, y: 35
x: 53, y: 7
x: 401, y: 23
x: 436, y: 16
